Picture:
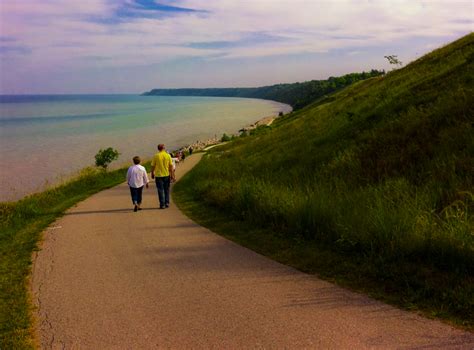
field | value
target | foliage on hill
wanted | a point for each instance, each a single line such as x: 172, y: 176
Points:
x: 297, y: 95
x: 380, y: 173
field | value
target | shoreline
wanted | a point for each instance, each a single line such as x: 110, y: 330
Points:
x: 202, y: 144
x: 68, y: 132
x: 198, y: 145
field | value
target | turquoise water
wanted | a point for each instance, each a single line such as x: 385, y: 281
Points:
x: 45, y: 139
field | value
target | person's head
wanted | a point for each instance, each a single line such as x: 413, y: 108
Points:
x: 161, y: 147
x: 136, y: 160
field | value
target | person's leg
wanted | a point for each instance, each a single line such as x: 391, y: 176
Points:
x: 139, y: 196
x: 133, y: 193
x: 166, y: 186
x: 161, y: 191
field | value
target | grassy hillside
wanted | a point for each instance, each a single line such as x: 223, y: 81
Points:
x: 376, y: 180
x: 297, y: 95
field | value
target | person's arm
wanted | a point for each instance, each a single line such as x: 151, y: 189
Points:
x: 145, y: 177
x: 128, y: 175
x: 171, y: 169
x: 153, y: 168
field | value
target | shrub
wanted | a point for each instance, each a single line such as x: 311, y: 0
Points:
x: 225, y: 138
x: 106, y: 156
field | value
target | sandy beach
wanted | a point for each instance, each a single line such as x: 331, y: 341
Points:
x: 202, y: 144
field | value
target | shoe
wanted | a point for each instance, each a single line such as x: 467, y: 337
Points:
x: 167, y: 206
x: 162, y: 207
x: 136, y: 208
x: 139, y: 208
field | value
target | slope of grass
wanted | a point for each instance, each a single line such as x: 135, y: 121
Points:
x: 21, y: 225
x: 379, y: 175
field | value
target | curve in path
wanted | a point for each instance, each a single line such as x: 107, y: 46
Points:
x: 109, y: 278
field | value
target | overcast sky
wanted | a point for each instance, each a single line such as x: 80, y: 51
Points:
x: 130, y: 46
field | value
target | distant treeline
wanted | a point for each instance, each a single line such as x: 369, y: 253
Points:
x: 297, y: 95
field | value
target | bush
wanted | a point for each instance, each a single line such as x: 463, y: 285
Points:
x: 106, y: 156
x: 225, y: 138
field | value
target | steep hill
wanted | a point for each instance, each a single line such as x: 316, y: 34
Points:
x: 381, y: 173
x: 297, y: 95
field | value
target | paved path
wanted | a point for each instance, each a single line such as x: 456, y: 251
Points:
x: 108, y: 278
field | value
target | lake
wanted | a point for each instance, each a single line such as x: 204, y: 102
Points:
x: 46, y: 139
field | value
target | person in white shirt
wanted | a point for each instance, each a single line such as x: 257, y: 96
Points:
x: 136, y: 179
x: 174, y: 161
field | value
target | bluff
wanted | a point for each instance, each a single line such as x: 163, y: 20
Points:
x: 297, y: 95
x: 380, y: 173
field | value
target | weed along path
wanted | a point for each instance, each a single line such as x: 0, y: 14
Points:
x: 109, y: 278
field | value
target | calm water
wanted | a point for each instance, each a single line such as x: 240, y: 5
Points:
x: 44, y: 139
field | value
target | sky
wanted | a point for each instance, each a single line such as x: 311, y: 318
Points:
x: 132, y: 46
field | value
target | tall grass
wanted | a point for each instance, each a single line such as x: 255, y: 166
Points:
x: 382, y: 170
x: 21, y: 225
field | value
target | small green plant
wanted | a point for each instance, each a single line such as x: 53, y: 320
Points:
x: 106, y: 156
x: 225, y: 138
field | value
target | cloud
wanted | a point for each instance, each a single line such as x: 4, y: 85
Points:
x: 132, y: 10
x: 22, y: 50
x: 150, y: 5
x: 58, y: 36
x: 246, y: 40
x: 7, y: 39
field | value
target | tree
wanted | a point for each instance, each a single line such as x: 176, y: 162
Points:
x: 225, y: 138
x: 106, y: 156
x: 243, y: 133
x: 393, y: 59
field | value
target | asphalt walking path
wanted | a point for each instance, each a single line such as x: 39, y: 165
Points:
x: 109, y: 278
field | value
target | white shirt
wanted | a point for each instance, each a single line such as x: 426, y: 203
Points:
x: 137, y: 176
x: 174, y: 161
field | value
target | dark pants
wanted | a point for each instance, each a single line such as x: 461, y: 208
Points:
x: 163, y: 188
x: 136, y: 195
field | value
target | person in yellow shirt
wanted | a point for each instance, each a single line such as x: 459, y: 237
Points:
x: 162, y: 172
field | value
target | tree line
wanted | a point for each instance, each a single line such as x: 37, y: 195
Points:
x: 298, y: 95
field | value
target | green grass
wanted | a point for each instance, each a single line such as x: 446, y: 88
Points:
x: 410, y: 286
x: 21, y: 225
x: 377, y: 178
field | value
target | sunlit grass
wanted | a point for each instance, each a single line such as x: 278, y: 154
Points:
x: 380, y: 173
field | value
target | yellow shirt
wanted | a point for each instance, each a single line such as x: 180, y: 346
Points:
x: 162, y: 162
